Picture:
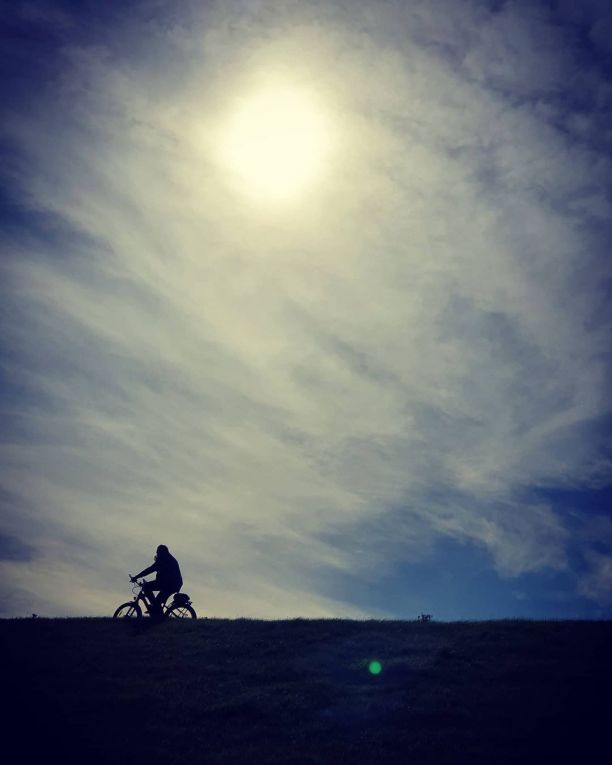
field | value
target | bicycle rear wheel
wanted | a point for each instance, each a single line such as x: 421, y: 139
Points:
x: 129, y: 610
x: 181, y: 612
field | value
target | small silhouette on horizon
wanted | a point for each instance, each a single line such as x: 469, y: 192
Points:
x: 168, y: 579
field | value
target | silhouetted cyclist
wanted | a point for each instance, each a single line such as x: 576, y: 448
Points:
x: 167, y: 581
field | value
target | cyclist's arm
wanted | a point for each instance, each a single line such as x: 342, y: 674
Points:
x: 146, y: 571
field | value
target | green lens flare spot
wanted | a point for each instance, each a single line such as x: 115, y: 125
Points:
x: 374, y: 667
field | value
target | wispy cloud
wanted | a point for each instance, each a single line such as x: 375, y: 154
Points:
x: 423, y: 339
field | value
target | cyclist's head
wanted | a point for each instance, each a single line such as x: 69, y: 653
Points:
x: 162, y: 550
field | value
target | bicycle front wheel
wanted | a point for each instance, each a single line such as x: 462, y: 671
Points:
x: 181, y: 612
x: 129, y: 610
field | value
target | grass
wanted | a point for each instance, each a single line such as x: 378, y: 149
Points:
x: 300, y: 691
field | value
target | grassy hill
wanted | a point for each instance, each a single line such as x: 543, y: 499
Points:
x: 300, y: 691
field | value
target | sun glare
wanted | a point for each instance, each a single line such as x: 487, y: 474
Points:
x: 276, y: 143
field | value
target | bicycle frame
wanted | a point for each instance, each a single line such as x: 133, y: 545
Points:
x: 140, y: 594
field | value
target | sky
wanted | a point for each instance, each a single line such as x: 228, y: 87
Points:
x: 314, y: 293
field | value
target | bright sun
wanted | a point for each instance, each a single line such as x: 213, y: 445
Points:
x: 276, y: 143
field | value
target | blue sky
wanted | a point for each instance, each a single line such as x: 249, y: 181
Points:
x: 374, y: 387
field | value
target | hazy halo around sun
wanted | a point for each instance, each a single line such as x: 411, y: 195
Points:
x: 276, y: 142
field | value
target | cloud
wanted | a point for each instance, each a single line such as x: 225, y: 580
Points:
x: 14, y: 549
x: 424, y: 338
x: 596, y: 582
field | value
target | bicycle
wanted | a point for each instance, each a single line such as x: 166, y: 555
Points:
x: 179, y: 608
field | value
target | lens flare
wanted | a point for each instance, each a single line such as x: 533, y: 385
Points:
x: 375, y: 667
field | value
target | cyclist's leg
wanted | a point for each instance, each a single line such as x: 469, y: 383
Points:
x: 163, y: 597
x: 150, y: 588
x: 159, y: 600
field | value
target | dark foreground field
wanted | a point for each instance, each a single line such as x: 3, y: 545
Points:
x: 218, y: 691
